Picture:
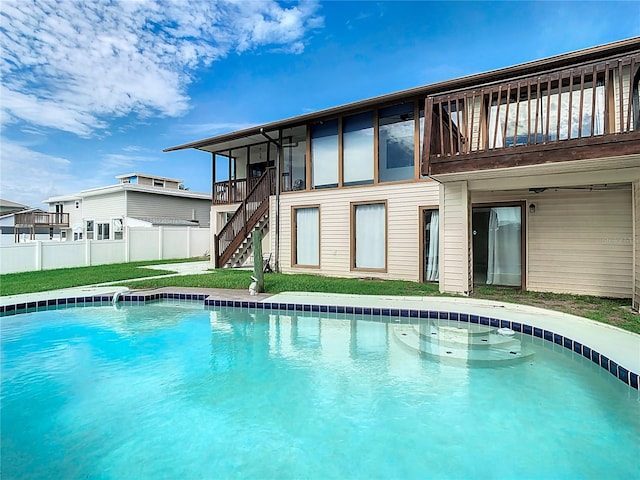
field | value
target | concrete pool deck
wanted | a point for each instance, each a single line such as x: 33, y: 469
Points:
x: 620, y: 346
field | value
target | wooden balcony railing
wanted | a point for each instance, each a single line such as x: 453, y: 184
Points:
x: 248, y: 214
x: 582, y: 107
x: 41, y: 219
x: 233, y: 191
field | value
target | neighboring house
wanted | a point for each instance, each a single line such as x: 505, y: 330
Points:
x: 7, y: 206
x: 12, y: 230
x: 528, y: 176
x: 138, y: 200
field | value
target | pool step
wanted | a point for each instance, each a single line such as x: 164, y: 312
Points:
x: 476, y: 344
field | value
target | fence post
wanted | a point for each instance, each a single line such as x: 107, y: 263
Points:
x: 87, y: 252
x: 188, y: 242
x: 38, y: 253
x: 160, y: 241
x: 126, y: 244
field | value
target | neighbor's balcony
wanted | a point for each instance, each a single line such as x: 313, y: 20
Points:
x: 36, y: 219
x: 582, y: 111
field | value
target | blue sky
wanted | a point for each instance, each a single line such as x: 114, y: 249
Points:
x: 94, y: 89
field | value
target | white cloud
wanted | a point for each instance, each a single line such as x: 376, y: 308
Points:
x: 24, y: 168
x: 71, y: 65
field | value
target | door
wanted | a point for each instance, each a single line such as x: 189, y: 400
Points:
x: 498, y: 245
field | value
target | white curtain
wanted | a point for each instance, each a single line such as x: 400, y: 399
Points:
x: 504, y: 256
x: 307, y: 236
x: 433, y: 263
x: 370, y: 236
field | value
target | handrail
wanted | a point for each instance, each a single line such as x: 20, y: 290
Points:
x: 584, y: 105
x: 245, y: 218
x: 32, y: 219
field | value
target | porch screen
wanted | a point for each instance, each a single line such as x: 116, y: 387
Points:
x: 307, y: 236
x: 370, y: 236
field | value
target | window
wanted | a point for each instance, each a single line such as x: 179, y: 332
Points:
x: 117, y: 229
x: 90, y: 227
x: 77, y: 236
x: 369, y: 236
x: 324, y: 154
x: 431, y: 245
x: 294, y: 150
x: 158, y: 183
x: 306, y: 239
x: 396, y: 143
x: 103, y: 231
x: 357, y: 145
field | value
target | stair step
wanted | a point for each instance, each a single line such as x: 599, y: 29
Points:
x: 494, y: 354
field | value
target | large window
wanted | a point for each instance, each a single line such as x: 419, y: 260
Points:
x: 324, y: 154
x: 294, y: 148
x: 369, y: 236
x: 306, y: 236
x: 357, y: 145
x: 396, y: 146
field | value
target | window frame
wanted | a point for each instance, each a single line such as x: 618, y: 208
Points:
x: 353, y: 233
x: 294, y: 237
x: 423, y: 259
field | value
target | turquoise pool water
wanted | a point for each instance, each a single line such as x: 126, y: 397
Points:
x: 177, y: 391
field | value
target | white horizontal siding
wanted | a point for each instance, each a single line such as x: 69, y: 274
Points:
x: 403, y: 248
x: 578, y: 241
x: 454, y: 266
x: 142, y: 204
x: 103, y: 208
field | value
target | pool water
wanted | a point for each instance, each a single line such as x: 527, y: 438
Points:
x: 178, y: 391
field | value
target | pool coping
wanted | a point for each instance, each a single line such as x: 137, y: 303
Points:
x: 618, y: 351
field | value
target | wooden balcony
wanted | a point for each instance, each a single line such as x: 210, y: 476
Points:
x: 41, y: 219
x: 584, y: 111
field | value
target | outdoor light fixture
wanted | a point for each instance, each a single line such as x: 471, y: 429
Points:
x: 532, y: 208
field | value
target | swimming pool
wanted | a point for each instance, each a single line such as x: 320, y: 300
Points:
x: 175, y: 390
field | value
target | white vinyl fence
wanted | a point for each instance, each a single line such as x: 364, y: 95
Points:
x: 140, y: 243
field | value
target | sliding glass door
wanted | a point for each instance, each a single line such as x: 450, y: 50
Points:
x: 497, y: 245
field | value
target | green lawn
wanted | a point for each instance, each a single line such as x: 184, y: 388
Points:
x: 27, y: 282
x: 612, y: 311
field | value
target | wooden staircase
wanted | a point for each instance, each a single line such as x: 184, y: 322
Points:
x: 232, y: 246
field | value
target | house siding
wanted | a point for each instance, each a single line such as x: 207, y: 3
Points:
x: 103, y: 208
x: 403, y: 223
x: 636, y: 243
x: 157, y: 205
x: 578, y: 241
x: 454, y: 236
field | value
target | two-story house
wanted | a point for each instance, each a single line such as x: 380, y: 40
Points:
x: 138, y: 200
x: 527, y: 176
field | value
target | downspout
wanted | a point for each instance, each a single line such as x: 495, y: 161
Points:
x: 277, y: 233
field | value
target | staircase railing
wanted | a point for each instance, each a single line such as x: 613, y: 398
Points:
x: 245, y: 218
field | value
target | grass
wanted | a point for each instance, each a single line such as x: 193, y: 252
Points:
x: 40, y: 281
x: 612, y: 311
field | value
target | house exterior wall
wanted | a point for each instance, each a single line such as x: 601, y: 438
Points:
x: 403, y: 223
x: 156, y: 205
x: 577, y: 241
x: 103, y: 208
x: 636, y: 243
x: 455, y: 252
